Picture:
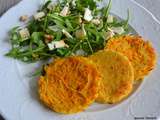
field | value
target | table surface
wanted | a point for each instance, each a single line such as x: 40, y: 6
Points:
x: 152, y: 5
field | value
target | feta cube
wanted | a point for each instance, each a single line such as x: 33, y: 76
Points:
x: 51, y: 6
x: 108, y: 35
x: 56, y: 44
x: 74, y: 3
x: 39, y: 15
x: 65, y: 10
x: 96, y: 21
x: 88, y: 14
x: 24, y: 33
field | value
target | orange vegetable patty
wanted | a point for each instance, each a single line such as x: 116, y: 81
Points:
x: 141, y: 53
x: 117, y: 76
x: 69, y: 85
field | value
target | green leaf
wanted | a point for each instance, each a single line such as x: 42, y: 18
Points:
x: 37, y: 38
x: 81, y: 4
x: 13, y: 52
x: 69, y: 24
x: 15, y: 37
x: 35, y: 25
x: 106, y: 11
x: 59, y: 24
x: 127, y: 20
x: 62, y: 51
x: 58, y: 36
x: 56, y: 17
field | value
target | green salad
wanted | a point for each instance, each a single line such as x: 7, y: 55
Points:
x: 65, y: 28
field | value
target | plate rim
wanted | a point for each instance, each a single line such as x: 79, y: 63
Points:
x: 133, y: 2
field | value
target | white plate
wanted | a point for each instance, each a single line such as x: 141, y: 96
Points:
x: 18, y: 92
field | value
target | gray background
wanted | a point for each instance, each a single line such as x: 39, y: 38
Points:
x: 152, y: 5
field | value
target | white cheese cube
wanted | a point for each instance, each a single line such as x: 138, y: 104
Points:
x: 65, y: 10
x: 109, y: 35
x: 73, y: 3
x: 24, y: 33
x: 39, y: 15
x: 56, y: 44
x: 51, y: 6
x: 88, y: 14
x: 96, y: 21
